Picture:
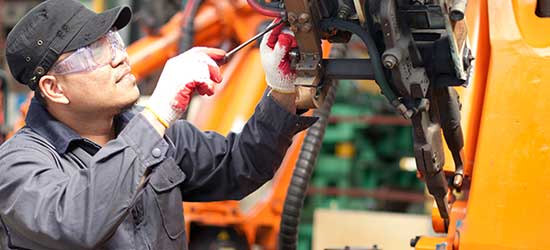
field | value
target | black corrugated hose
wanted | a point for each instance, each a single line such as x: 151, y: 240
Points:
x: 305, y: 164
x: 188, y: 28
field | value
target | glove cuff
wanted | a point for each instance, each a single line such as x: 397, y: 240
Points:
x: 162, y: 110
x: 280, y: 83
x: 162, y: 121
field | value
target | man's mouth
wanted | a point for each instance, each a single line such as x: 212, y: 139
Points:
x: 124, y: 73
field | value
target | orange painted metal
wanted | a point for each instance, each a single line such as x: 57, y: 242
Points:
x: 508, y: 204
x: 472, y: 98
x: 506, y: 117
x: 430, y: 243
x: 23, y: 113
x: 458, y: 213
x: 216, y: 21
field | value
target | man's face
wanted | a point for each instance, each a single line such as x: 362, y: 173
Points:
x: 105, y: 88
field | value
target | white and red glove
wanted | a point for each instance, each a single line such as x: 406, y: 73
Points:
x: 274, y: 51
x: 192, y: 70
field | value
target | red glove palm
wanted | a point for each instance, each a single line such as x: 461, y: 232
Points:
x: 192, y: 70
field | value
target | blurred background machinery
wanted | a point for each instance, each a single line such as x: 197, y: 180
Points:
x: 365, y: 161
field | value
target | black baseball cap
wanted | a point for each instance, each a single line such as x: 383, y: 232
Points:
x: 52, y: 28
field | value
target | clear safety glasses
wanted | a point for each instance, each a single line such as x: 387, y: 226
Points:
x: 91, y: 57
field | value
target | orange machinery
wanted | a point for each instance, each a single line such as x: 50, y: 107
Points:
x: 505, y: 121
x: 504, y: 117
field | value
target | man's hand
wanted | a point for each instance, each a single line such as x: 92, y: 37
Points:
x: 192, y: 70
x: 274, y: 50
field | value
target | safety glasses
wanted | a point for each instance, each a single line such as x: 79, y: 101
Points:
x: 93, y: 56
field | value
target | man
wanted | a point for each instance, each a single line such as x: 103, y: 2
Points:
x: 88, y: 173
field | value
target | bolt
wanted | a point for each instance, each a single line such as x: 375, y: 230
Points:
x: 457, y: 10
x: 405, y: 112
x: 306, y: 27
x: 457, y: 15
x: 409, y: 114
x: 293, y: 54
x: 424, y: 105
x: 344, y: 12
x: 294, y: 28
x: 303, y: 18
x: 390, y: 61
x: 292, y: 17
x: 457, y: 182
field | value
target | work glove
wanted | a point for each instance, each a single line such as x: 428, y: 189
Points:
x: 274, y: 51
x: 192, y: 70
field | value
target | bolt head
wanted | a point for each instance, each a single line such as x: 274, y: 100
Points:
x: 292, y: 18
x: 303, y: 18
x: 306, y: 27
x: 390, y: 61
x: 458, y: 179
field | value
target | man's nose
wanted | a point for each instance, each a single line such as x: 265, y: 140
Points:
x: 121, y: 56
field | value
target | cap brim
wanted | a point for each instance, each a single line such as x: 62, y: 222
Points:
x: 99, y: 24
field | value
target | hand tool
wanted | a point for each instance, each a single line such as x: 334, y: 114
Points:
x: 229, y: 54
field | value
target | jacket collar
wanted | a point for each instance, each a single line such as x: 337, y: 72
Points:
x: 57, y: 133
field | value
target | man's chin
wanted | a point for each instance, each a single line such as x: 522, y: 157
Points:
x: 131, y: 103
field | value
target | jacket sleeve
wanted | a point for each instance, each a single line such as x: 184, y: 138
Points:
x: 51, y: 209
x: 231, y: 167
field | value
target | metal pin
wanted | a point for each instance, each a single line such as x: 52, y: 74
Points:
x: 457, y: 10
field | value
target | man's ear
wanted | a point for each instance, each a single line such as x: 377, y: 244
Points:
x: 52, y: 90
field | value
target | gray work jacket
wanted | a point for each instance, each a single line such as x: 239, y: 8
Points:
x: 61, y: 191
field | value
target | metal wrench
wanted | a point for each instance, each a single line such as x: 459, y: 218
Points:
x: 229, y: 54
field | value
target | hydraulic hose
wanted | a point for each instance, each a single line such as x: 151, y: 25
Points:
x: 188, y: 25
x: 305, y: 164
x: 374, y: 54
x: 263, y: 9
x: 296, y: 193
